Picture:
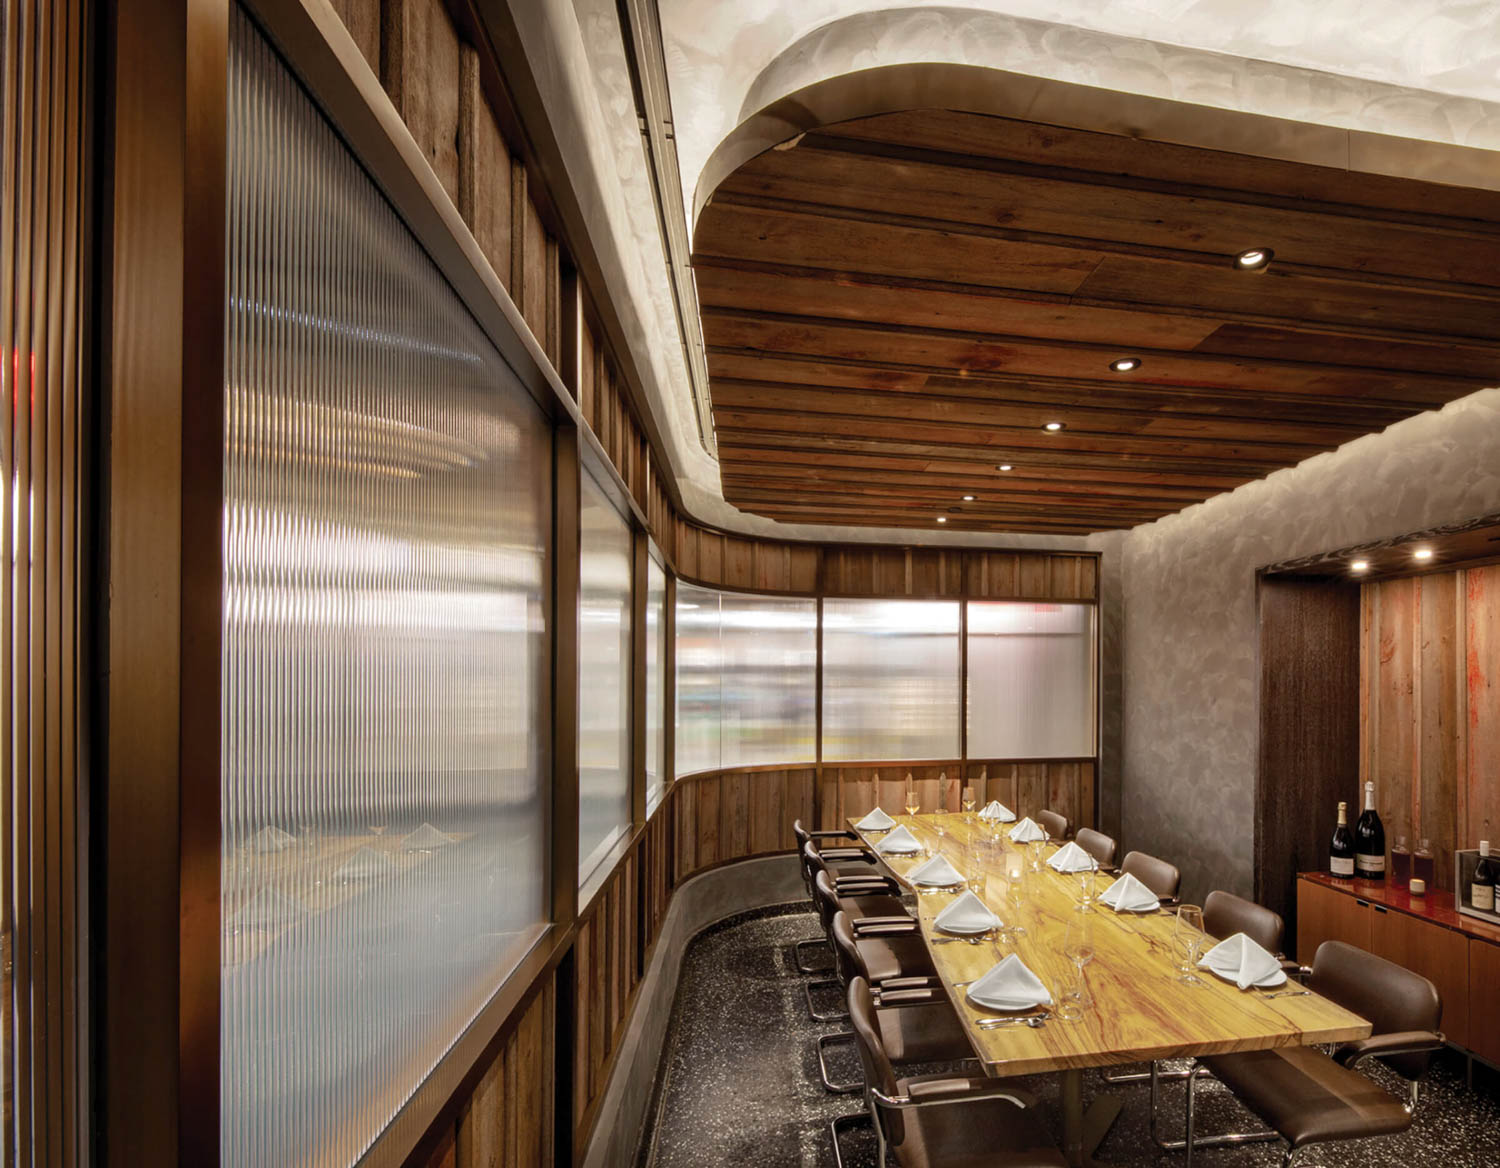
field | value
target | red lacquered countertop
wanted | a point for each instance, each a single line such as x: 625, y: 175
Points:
x: 1436, y: 906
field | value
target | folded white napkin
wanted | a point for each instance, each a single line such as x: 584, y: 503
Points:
x: 426, y: 839
x: 900, y: 842
x: 936, y: 873
x: 967, y: 914
x: 1071, y: 858
x: 877, y: 820
x: 269, y: 840
x: 1009, y: 986
x: 1127, y: 894
x: 997, y: 811
x: 1242, y: 961
x: 1026, y: 831
x: 365, y: 864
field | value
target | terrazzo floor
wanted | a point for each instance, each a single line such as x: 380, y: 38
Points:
x: 738, y: 1084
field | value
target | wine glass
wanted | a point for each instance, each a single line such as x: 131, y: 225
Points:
x: 969, y: 804
x: 1188, y: 939
x: 1015, y: 894
x: 1035, y: 848
x: 913, y: 804
x: 1078, y: 947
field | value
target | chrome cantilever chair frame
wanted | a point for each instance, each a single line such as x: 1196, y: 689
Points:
x: 879, y: 1101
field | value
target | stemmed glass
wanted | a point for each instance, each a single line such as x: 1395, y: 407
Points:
x: 1188, y: 939
x: 1015, y: 894
x: 912, y: 804
x: 1035, y: 849
x: 969, y: 804
x: 1078, y: 947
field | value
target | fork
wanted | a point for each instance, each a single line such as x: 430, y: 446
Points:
x: 1035, y: 1021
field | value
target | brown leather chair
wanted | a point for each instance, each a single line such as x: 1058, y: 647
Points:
x: 817, y: 849
x: 897, y: 951
x: 1104, y: 850
x: 1161, y: 877
x: 1225, y: 914
x: 939, y: 1121
x: 1054, y: 823
x: 860, y: 877
x: 1307, y: 1097
x: 925, y: 1029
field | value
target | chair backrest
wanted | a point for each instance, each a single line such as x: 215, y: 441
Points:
x: 1225, y: 914
x: 1054, y: 822
x: 848, y: 964
x: 825, y: 899
x: 801, y: 834
x: 1161, y: 877
x: 1389, y: 996
x: 1098, y: 845
x: 879, y: 1073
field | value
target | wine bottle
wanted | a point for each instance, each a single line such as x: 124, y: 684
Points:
x: 1482, y: 887
x: 1341, y: 850
x: 1369, y: 840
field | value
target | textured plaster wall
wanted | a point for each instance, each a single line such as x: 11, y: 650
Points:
x: 1190, y: 676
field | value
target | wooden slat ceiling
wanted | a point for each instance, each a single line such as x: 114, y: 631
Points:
x: 893, y: 307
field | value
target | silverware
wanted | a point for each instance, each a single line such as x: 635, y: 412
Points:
x: 1034, y: 1021
x: 1288, y: 994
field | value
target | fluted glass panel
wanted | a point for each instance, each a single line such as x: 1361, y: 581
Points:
x: 890, y: 679
x: 769, y: 656
x: 656, y: 682
x: 386, y: 703
x: 1031, y: 680
x: 700, y: 675
x: 604, y: 677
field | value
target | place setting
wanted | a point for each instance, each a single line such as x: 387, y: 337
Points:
x: 936, y: 876
x: 968, y: 920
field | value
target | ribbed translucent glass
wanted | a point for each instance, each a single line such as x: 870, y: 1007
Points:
x: 386, y: 704
x: 890, y: 679
x: 656, y: 682
x: 1031, y: 680
x: 769, y: 652
x: 603, y: 678
x: 700, y: 677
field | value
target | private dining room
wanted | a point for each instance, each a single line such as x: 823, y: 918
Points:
x: 819, y: 584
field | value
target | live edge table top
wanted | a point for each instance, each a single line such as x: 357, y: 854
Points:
x: 1141, y: 1010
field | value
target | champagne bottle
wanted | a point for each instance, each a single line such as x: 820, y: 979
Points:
x: 1369, y: 840
x: 1341, y: 850
x: 1482, y: 887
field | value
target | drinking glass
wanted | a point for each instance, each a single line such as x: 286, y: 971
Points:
x: 1015, y: 894
x: 1035, y: 849
x: 969, y: 804
x: 1087, y: 882
x: 1188, y: 939
x: 1078, y: 947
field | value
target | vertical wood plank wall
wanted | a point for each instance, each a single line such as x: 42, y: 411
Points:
x: 458, y: 115
x: 1430, y: 708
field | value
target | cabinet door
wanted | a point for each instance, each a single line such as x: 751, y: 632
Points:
x: 1484, y: 992
x: 1326, y: 914
x: 1438, y: 954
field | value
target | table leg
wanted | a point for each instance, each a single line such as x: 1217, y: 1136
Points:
x: 1084, y: 1131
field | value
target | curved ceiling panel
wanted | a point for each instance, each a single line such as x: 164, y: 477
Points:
x: 895, y: 308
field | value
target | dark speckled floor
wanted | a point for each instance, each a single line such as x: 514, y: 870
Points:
x: 739, y: 1082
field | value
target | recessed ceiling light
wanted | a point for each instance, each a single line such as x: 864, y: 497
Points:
x: 1254, y: 259
x: 968, y: 498
x: 1126, y: 364
x: 942, y: 519
x: 1360, y: 566
x: 1052, y: 427
x: 1423, y: 553
x: 1005, y: 466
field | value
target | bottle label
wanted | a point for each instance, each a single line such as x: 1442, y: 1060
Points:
x: 1341, y: 866
x: 1483, y: 896
x: 1371, y: 865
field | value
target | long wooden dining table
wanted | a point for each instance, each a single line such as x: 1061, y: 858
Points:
x: 1141, y: 1010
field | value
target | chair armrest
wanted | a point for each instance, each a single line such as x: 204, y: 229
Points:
x: 889, y: 998
x: 945, y: 1092
x: 883, y: 926
x: 914, y: 982
x: 838, y: 833
x: 844, y: 855
x: 871, y: 885
x: 1351, y: 1054
x: 1293, y: 970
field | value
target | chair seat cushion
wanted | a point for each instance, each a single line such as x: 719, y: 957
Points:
x: 899, y: 956
x: 859, y: 907
x: 988, y: 1134
x: 923, y: 1034
x: 1307, y: 1097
